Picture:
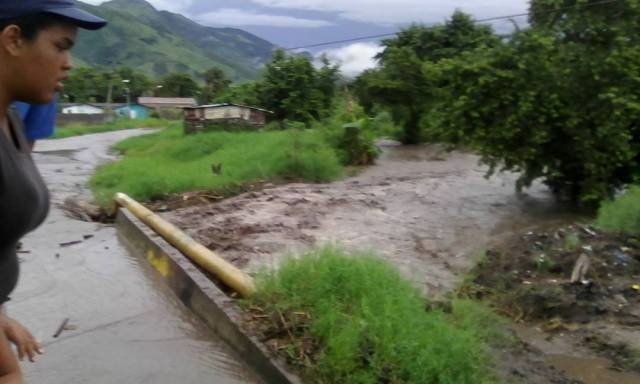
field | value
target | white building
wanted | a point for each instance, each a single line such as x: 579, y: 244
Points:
x: 82, y: 109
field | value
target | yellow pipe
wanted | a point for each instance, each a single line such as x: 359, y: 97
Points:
x: 204, y: 257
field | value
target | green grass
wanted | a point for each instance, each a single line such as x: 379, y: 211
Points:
x: 371, y: 325
x: 118, y: 125
x: 167, y: 162
x: 622, y: 214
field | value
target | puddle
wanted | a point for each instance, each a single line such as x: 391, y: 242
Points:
x: 575, y: 362
x: 68, y: 153
x: 591, y: 370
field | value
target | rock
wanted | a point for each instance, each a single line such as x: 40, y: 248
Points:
x: 81, y: 210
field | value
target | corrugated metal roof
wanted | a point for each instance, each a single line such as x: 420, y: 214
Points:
x: 171, y: 101
x: 228, y: 105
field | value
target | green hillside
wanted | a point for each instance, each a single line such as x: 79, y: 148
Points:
x: 159, y: 42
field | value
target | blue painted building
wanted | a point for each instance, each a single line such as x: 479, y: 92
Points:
x: 133, y: 111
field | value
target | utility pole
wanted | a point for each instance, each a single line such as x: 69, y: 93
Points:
x: 128, y: 90
x: 110, y: 91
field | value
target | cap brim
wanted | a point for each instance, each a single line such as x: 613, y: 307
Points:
x: 79, y: 17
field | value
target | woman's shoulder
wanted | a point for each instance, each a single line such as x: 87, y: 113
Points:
x: 17, y: 125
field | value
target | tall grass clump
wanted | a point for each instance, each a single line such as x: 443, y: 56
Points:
x: 370, y: 326
x: 622, y: 214
x: 166, y: 162
x: 117, y: 125
x: 349, y: 131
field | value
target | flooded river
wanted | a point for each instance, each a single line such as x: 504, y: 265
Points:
x: 426, y: 211
x: 124, y: 325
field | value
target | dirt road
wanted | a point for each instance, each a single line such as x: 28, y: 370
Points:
x: 125, y: 326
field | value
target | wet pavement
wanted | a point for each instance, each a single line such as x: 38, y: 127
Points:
x: 125, y: 326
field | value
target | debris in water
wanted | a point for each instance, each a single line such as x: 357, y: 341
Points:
x: 81, y: 210
x: 70, y: 243
x: 580, y: 270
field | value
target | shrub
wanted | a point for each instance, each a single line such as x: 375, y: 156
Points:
x: 622, y: 214
x: 350, y: 133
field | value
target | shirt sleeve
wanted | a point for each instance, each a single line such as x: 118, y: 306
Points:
x: 22, y: 109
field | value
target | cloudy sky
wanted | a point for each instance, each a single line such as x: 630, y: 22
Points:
x: 292, y: 23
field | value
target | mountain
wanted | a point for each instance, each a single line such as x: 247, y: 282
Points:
x: 159, y: 42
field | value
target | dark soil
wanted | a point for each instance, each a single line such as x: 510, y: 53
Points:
x: 529, y: 280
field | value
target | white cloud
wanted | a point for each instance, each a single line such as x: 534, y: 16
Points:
x: 355, y: 58
x: 402, y: 11
x: 238, y: 17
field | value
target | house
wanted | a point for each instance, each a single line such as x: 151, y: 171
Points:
x: 167, y: 102
x: 133, y: 111
x: 82, y: 109
x: 167, y: 107
x: 227, y: 115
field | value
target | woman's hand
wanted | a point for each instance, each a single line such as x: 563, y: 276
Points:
x: 9, y: 369
x: 24, y: 341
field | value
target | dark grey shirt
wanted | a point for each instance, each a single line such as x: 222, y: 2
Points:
x: 24, y: 201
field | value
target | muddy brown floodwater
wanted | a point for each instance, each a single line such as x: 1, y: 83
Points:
x: 125, y: 326
x: 425, y: 210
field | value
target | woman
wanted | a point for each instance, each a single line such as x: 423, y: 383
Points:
x: 36, y: 37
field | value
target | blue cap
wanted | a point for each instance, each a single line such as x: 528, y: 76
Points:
x: 67, y: 9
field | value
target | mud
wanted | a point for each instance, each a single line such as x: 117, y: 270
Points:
x: 124, y: 326
x: 587, y: 325
x: 425, y: 210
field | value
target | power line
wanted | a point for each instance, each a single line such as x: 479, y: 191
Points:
x: 497, y: 18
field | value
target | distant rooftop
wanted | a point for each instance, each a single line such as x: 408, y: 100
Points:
x: 167, y: 101
x: 227, y: 105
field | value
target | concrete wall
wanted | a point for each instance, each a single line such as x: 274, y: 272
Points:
x: 230, y: 112
x: 82, y: 109
x: 63, y: 120
x: 198, y: 292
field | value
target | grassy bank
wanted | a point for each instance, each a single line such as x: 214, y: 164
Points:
x: 118, y: 125
x: 622, y: 214
x: 354, y: 319
x: 167, y: 162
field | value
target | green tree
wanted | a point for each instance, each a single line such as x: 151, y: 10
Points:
x: 179, y: 84
x: 559, y: 102
x: 582, y: 20
x: 293, y: 89
x: 457, y: 35
x: 139, y: 84
x: 95, y: 84
x: 328, y: 76
x: 406, y: 83
x: 244, y: 93
x: 82, y: 85
x: 216, y: 83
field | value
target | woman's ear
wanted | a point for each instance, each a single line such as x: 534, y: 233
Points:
x: 11, y: 40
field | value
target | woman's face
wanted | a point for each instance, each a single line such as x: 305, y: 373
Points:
x: 43, y: 63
